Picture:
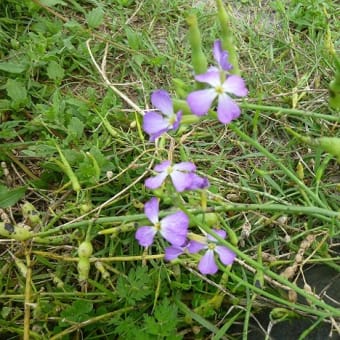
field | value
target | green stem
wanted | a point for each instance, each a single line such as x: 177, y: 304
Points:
x: 268, y: 272
x: 293, y: 209
x: 288, y: 111
x: 270, y: 156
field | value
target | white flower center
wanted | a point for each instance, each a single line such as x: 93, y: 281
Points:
x: 219, y: 89
x: 172, y: 120
x: 211, y: 246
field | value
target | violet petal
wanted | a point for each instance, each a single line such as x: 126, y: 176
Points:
x: 185, y: 166
x: 172, y: 252
x: 227, y: 109
x: 162, y: 101
x: 198, y: 182
x: 156, y: 181
x: 221, y: 56
x: 235, y: 84
x: 194, y: 246
x: 163, y: 166
x: 151, y: 209
x: 154, y: 122
x: 174, y: 228
x: 181, y: 180
x: 207, y: 264
x: 145, y: 235
x: 217, y: 50
x: 211, y: 77
x: 175, y: 125
x: 219, y: 232
x: 201, y: 101
x: 157, y: 134
x: 226, y: 255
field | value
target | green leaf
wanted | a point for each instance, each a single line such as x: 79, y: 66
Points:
x: 164, y: 322
x: 95, y: 17
x: 10, y: 197
x: 12, y: 67
x: 55, y: 71
x: 16, y: 91
x: 133, y: 38
x: 135, y: 287
x: 51, y: 3
x: 75, y: 129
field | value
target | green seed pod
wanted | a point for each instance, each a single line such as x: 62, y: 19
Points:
x: 21, y: 266
x: 300, y: 171
x: 85, y: 207
x: 198, y: 59
x: 209, y: 219
x: 83, y: 268
x: 85, y: 249
x: 180, y: 87
x: 334, y: 88
x: 102, y: 270
x: 227, y: 36
x: 31, y: 214
x: 15, y: 232
x: 182, y: 105
x: 57, y: 281
x: 330, y: 145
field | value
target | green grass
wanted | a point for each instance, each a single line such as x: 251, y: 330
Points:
x: 73, y: 148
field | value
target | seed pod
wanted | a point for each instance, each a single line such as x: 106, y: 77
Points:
x: 85, y: 249
x: 209, y: 219
x: 180, y: 87
x: 198, y: 59
x: 334, y: 87
x: 182, y: 105
x: 83, y: 268
x: 57, y: 281
x: 102, y: 270
x: 66, y: 167
x: 21, y: 266
x: 15, y: 232
x: 300, y: 171
x: 328, y: 144
x: 85, y: 207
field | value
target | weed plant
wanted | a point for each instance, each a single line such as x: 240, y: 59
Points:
x: 76, y: 79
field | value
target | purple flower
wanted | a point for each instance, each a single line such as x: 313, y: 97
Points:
x: 222, y: 85
x: 173, y: 252
x: 227, y: 110
x: 182, y: 175
x: 221, y: 56
x: 173, y: 228
x: 156, y: 123
x: 207, y: 264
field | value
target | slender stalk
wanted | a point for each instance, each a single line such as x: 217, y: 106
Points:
x: 27, y: 301
x: 290, y: 112
x: 270, y: 156
x: 266, y: 271
x: 292, y: 209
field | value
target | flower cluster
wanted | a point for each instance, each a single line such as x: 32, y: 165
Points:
x: 222, y: 85
x: 174, y: 227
